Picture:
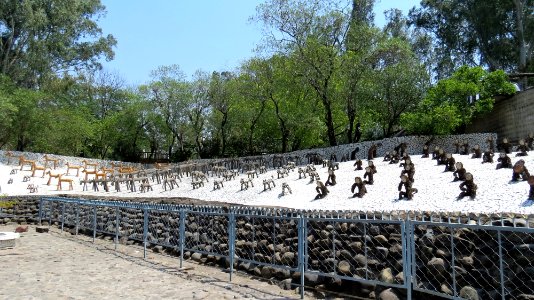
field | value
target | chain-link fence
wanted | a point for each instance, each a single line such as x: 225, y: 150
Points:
x: 451, y: 258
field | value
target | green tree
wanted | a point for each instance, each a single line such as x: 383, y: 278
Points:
x: 41, y: 38
x: 169, y: 92
x: 398, y: 84
x: 221, y: 100
x: 198, y: 109
x: 357, y: 61
x: 501, y: 39
x: 314, y: 31
x: 8, y: 110
x: 453, y: 102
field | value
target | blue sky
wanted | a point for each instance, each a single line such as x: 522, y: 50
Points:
x: 208, y: 35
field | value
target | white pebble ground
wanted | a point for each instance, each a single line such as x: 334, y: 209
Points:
x: 436, y: 190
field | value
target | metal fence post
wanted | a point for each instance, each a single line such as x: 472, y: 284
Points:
x: 406, y: 240
x: 145, y: 231
x: 40, y: 211
x: 50, y: 214
x: 334, y: 248
x: 94, y: 223
x: 182, y: 236
x: 231, y: 240
x: 453, y: 256
x: 301, y: 255
x: 62, y: 215
x: 501, y: 267
x: 77, y: 217
x: 365, y: 248
x: 116, y: 226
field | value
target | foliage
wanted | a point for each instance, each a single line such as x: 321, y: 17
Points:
x: 7, y: 204
x: 453, y: 102
x: 41, y: 38
x: 329, y: 71
x: 493, y: 34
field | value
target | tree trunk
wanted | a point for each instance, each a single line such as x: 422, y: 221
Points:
x: 522, y: 45
x: 329, y: 121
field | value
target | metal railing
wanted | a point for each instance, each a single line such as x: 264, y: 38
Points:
x: 446, y: 257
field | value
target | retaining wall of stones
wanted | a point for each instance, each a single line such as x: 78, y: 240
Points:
x: 351, y: 247
x: 415, y: 146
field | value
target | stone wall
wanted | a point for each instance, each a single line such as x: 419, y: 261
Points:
x: 63, y: 160
x: 301, y: 157
x: 512, y: 117
x: 351, y: 247
x: 415, y: 146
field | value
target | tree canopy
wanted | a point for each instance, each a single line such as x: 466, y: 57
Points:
x: 41, y: 38
x: 327, y: 76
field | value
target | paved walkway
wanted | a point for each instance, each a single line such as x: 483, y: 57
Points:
x: 58, y: 265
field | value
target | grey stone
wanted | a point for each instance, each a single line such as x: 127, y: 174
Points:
x: 344, y: 267
x: 196, y: 256
x: 444, y: 288
x: 469, y: 293
x: 285, y: 284
x: 386, y: 276
x: 388, y: 294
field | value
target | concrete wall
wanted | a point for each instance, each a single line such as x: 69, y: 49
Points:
x: 511, y: 117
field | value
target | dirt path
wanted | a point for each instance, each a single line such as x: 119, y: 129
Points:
x: 56, y: 265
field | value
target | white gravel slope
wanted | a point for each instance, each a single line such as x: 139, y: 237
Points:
x: 436, y: 190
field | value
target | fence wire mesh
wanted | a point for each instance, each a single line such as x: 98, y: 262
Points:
x: 164, y: 228
x: 456, y: 260
x: 267, y: 240
x: 451, y: 260
x: 131, y: 223
x: 354, y: 250
x: 207, y: 233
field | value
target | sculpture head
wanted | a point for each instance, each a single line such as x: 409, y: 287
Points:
x: 468, y: 176
x: 404, y: 178
x: 357, y: 180
x: 459, y: 165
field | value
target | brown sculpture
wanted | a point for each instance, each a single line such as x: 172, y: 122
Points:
x: 409, y: 171
x: 487, y: 156
x: 67, y: 180
x: 459, y: 174
x: 504, y: 161
x: 368, y: 174
x: 47, y: 159
x: 372, y: 166
x: 476, y: 152
x: 468, y: 187
x: 394, y: 157
x: 529, y: 140
x: 465, y: 148
x: 531, y: 191
x: 450, y: 163
x: 442, y: 157
x: 435, y: 153
x: 522, y: 149
x: 358, y: 165
x: 371, y: 153
x: 491, y: 145
x: 457, y: 145
x: 506, y: 146
x: 409, y: 191
x: 36, y: 167
x: 358, y: 183
x: 520, y: 170
x: 50, y: 176
x: 387, y: 156
x: 331, y: 180
x: 425, y: 152
x: 321, y: 189
x: 407, y: 162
